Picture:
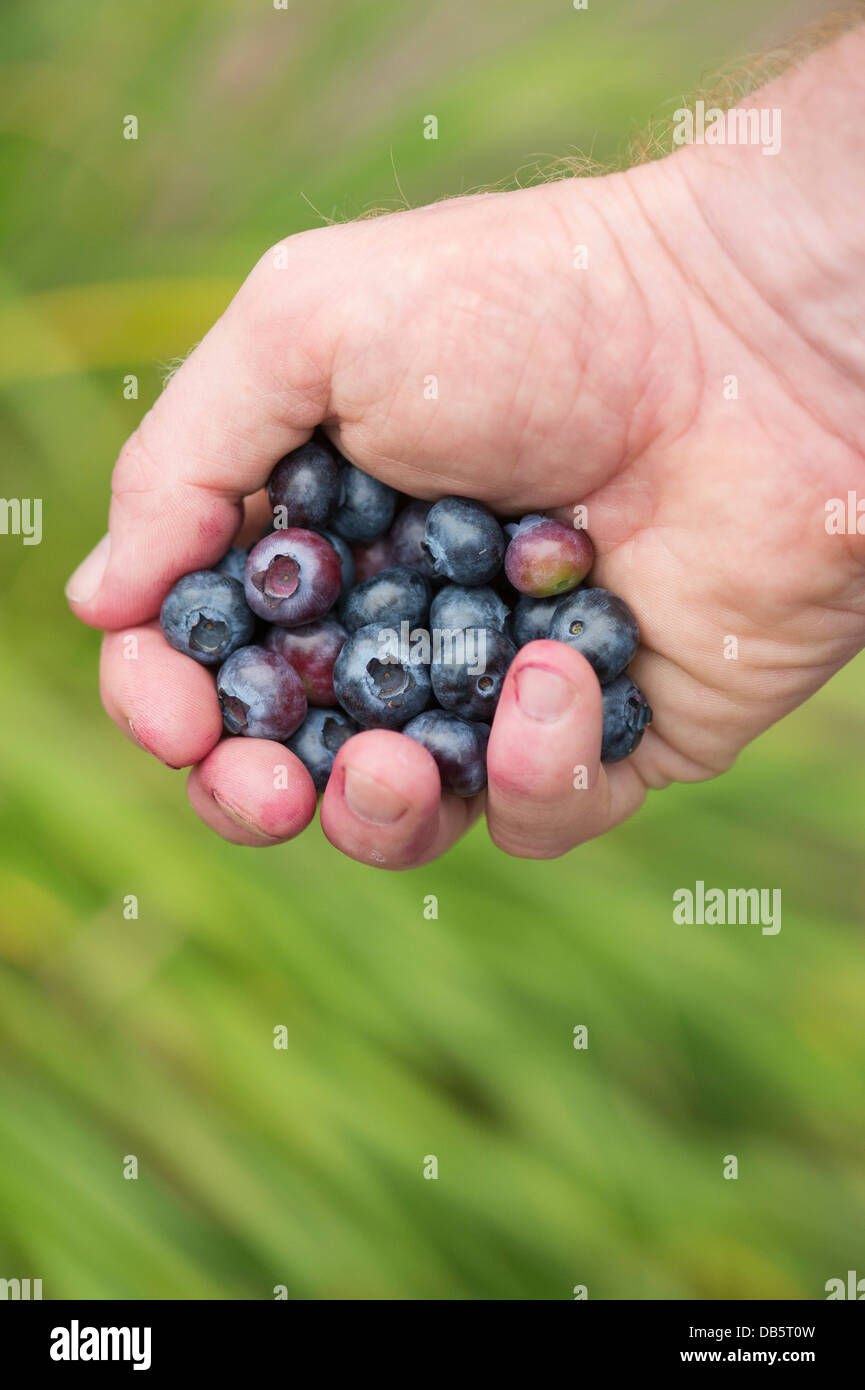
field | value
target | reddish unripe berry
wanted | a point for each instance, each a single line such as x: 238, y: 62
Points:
x: 407, y: 537
x: 547, y: 557
x: 312, y: 651
x: 371, y: 557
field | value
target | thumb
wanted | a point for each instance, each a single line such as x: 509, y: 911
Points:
x: 252, y: 390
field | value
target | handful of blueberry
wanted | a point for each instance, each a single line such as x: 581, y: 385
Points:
x: 306, y: 656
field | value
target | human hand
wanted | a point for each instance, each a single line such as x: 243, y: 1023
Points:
x: 602, y: 386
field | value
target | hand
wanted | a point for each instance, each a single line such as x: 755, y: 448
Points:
x: 556, y: 386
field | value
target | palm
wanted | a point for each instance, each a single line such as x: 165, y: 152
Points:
x: 706, y: 507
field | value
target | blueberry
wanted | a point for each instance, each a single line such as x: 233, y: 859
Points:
x: 304, y: 487
x: 546, y: 557
x: 512, y: 527
x: 601, y: 626
x: 459, y: 747
x: 532, y: 618
x: 371, y: 557
x: 319, y: 739
x: 509, y: 596
x: 467, y: 675
x: 312, y: 651
x: 464, y: 541
x: 366, y: 509
x: 260, y: 694
x: 376, y: 690
x: 346, y: 559
x: 292, y: 577
x: 233, y: 563
x: 394, y: 596
x: 407, y: 538
x: 205, y: 616
x: 454, y: 606
x: 627, y: 715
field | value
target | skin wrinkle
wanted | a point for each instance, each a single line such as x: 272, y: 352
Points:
x: 629, y: 452
x: 749, y: 347
x: 526, y: 361
x: 316, y: 397
x: 326, y: 370
x: 674, y: 266
x: 518, y: 462
x: 743, y: 701
x: 136, y: 450
x: 578, y: 301
x: 741, y: 621
x: 774, y: 368
x: 679, y: 766
x: 581, y: 303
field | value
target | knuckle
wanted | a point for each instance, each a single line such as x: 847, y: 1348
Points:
x: 518, y: 778
x: 508, y: 774
x: 288, y: 296
x: 136, y: 473
x: 516, y: 844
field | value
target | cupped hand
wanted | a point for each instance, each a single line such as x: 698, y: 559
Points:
x: 660, y: 347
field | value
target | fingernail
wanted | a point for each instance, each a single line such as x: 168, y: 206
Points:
x: 88, y: 576
x: 370, y: 800
x: 242, y: 819
x: 544, y: 695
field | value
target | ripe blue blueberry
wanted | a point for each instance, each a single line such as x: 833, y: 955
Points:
x: 390, y: 597
x: 464, y: 541
x: 292, y: 577
x: 304, y: 487
x: 455, y: 606
x: 260, y: 694
x: 532, y: 618
x: 366, y: 508
x: 601, y: 626
x: 346, y: 559
x: 333, y: 524
x: 378, y: 692
x: 319, y: 739
x: 512, y: 527
x: 233, y: 563
x: 627, y: 714
x: 206, y: 616
x: 467, y: 677
x: 407, y: 538
x: 459, y: 747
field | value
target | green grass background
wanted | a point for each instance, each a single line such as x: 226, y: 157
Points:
x: 406, y: 1037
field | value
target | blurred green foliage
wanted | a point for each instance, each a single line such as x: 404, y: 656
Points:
x: 406, y: 1037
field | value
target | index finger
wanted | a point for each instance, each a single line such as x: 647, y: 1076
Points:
x: 252, y: 390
